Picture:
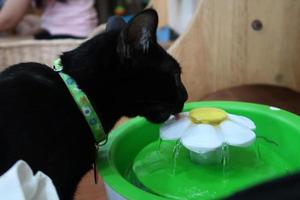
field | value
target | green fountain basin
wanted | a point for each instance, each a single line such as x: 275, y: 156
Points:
x: 135, y: 165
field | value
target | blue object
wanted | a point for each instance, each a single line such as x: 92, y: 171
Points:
x: 2, y: 3
x: 127, y: 18
x: 163, y: 34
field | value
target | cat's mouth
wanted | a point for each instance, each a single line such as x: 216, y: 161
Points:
x: 157, y: 117
x: 159, y: 114
x: 155, y: 112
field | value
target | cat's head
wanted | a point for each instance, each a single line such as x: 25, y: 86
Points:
x: 130, y: 73
x: 148, y: 82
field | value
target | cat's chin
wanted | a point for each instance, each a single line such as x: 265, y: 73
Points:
x: 157, y: 118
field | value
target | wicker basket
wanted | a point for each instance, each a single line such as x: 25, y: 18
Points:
x: 42, y: 51
x: 17, y: 50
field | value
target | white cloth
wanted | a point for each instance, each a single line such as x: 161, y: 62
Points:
x: 19, y: 183
x: 76, y: 17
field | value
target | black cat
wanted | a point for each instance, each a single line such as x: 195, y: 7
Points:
x: 123, y: 72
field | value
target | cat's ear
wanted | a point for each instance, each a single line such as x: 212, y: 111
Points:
x: 115, y: 23
x: 139, y: 34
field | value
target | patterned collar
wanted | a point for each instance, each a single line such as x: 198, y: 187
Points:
x: 83, y: 104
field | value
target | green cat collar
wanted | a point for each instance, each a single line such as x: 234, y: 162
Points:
x: 83, y: 104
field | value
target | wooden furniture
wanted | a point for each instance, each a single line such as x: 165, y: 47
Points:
x: 231, y: 43
x: 276, y: 96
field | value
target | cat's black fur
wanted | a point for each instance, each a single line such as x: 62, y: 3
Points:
x: 123, y: 71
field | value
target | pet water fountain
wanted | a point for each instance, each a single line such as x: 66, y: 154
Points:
x: 210, y: 151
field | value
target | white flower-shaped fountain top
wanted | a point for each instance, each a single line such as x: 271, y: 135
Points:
x: 205, y: 129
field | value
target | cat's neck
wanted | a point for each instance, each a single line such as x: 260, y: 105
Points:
x: 88, y: 65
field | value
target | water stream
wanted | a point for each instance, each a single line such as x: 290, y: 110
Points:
x: 176, y: 151
x: 159, y: 143
x: 225, y: 158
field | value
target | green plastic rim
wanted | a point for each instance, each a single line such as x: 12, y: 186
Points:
x: 113, y: 160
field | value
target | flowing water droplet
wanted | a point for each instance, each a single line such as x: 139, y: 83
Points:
x: 225, y: 158
x: 159, y: 144
x: 176, y: 151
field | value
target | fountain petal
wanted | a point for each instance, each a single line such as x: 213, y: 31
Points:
x: 242, y: 121
x: 202, y: 138
x: 173, y: 129
x: 237, y: 135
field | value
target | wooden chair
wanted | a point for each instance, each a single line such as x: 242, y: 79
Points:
x: 233, y: 43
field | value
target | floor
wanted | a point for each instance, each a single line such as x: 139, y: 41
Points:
x: 88, y: 190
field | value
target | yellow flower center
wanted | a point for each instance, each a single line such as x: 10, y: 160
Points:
x: 207, y: 115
